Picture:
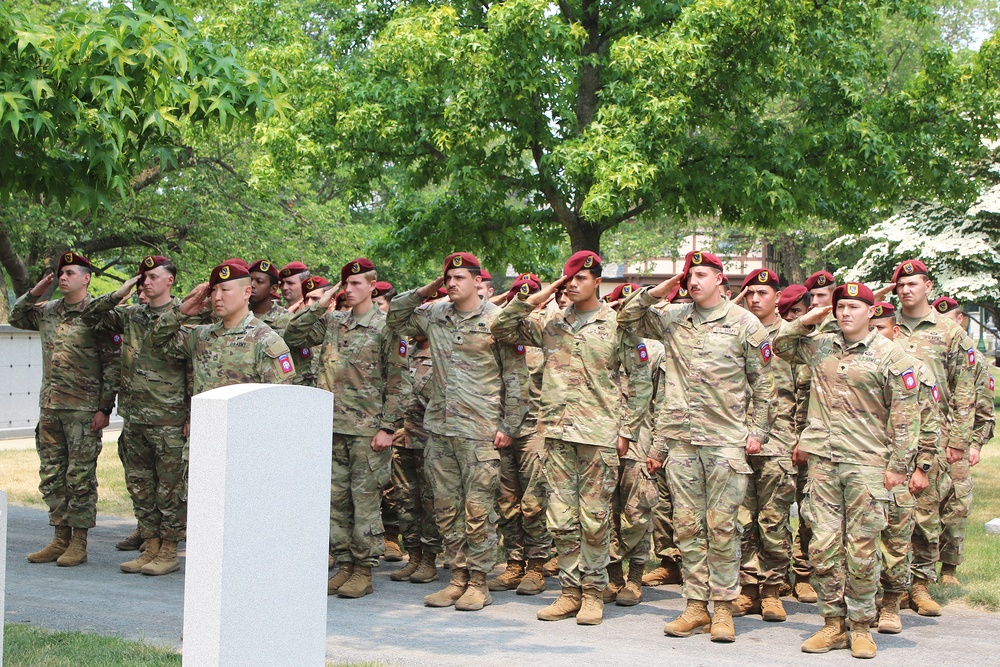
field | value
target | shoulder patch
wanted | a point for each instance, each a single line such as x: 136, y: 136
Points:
x: 972, y: 357
x: 936, y: 393
x: 404, y: 347
x: 643, y: 352
x: 116, y: 339
x: 909, y: 379
x: 991, y: 383
x: 285, y: 362
x: 519, y: 349
x: 306, y: 352
x: 765, y: 351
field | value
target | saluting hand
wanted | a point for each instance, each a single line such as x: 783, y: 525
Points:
x: 43, y: 285
x: 664, y: 289
x: 126, y: 287
x: 882, y: 291
x: 431, y: 288
x: 194, y: 302
x: 742, y: 295
x: 324, y: 303
x: 546, y: 294
x: 815, y: 316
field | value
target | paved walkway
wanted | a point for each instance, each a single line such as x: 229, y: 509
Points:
x: 392, y: 626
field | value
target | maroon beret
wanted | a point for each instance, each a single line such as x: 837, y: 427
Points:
x: 883, y: 309
x: 227, y: 271
x: 264, y: 266
x: 790, y: 296
x: 293, y: 269
x: 678, y: 293
x: 762, y: 277
x: 355, y: 267
x: 943, y: 304
x: 911, y: 267
x: 527, y: 283
x: 151, y: 262
x: 381, y: 288
x: 238, y: 262
x: 486, y: 275
x: 856, y: 291
x: 73, y: 259
x: 581, y: 260
x: 820, y: 279
x: 313, y: 283
x: 461, y: 260
x: 623, y: 291
x: 699, y: 258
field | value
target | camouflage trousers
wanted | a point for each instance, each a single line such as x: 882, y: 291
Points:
x: 956, y: 502
x: 632, y: 513
x: 414, y: 499
x: 581, y: 480
x: 801, y: 566
x: 67, y: 456
x: 765, y: 530
x: 708, y: 485
x: 896, y: 540
x: 465, y: 476
x: 156, y: 471
x: 927, y: 521
x: 663, y: 519
x: 521, y: 502
x: 357, y: 477
x: 847, y: 506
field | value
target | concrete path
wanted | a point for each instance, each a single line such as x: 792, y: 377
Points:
x: 393, y: 627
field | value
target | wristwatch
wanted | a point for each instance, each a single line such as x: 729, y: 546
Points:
x: 106, y: 411
x: 926, y: 467
x: 388, y: 430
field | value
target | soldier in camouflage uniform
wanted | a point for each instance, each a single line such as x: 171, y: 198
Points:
x: 583, y: 421
x: 957, y: 502
x: 715, y: 351
x: 154, y: 402
x: 950, y: 356
x: 263, y: 281
x: 411, y: 483
x: 363, y: 367
x: 290, y: 280
x: 861, y: 437
x: 80, y: 375
x: 522, y: 498
x: 766, y: 541
x: 474, y: 410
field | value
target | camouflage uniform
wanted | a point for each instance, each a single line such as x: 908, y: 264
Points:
x: 80, y: 375
x: 362, y: 365
x: 766, y: 537
x: 154, y: 402
x: 277, y: 318
x: 801, y: 566
x: 475, y: 391
x: 956, y: 500
x: 712, y: 356
x: 863, y: 409
x: 581, y: 416
x: 410, y: 480
x: 950, y: 356
x: 250, y: 352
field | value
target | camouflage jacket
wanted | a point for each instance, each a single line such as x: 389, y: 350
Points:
x: 276, y: 317
x: 787, y: 385
x: 863, y: 407
x: 718, y: 364
x: 154, y: 384
x: 80, y: 367
x: 930, y: 414
x: 950, y: 356
x: 535, y: 361
x: 250, y: 352
x: 985, y: 408
x: 358, y: 361
x: 418, y: 393
x: 638, y: 450
x: 581, y: 399
x: 475, y: 381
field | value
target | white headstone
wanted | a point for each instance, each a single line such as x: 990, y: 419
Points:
x: 258, y: 526
x: 3, y: 565
x: 993, y: 527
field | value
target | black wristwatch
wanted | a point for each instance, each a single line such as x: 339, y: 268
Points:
x: 388, y: 430
x: 926, y: 467
x: 106, y: 411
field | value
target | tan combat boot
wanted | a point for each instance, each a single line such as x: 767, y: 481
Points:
x: 669, y: 572
x: 533, y: 582
x: 693, y: 619
x: 57, y: 547
x: 862, y: 644
x: 722, y: 622
x: 427, y: 569
x: 131, y: 543
x: 403, y: 573
x: 510, y: 578
x: 76, y: 552
x: 359, y: 585
x: 477, y: 593
x: 567, y: 605
x: 591, y: 607
x: 616, y: 582
x: 146, y: 557
x: 771, y: 608
x: 748, y: 602
x: 452, y: 592
x: 889, y: 622
x: 832, y: 635
x: 804, y: 592
x: 631, y: 595
x: 165, y: 561
x: 551, y: 567
x: 921, y: 600
x: 785, y: 589
x: 393, y: 554
x: 336, y: 581
x: 949, y: 575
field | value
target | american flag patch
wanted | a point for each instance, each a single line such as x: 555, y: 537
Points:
x: 116, y: 339
x: 643, y: 353
x: 520, y: 350
x: 404, y: 347
x: 306, y: 352
x: 972, y: 357
x: 286, y: 363
x: 909, y: 379
x: 936, y: 393
x: 765, y: 351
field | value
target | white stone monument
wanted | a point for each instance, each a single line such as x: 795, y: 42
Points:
x: 258, y: 526
x: 3, y: 565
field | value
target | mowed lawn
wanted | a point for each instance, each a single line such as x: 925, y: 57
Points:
x: 980, y: 574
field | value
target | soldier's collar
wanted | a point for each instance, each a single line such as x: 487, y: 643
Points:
x: 239, y: 328
x: 711, y: 314
x: 77, y: 307
x: 864, y: 342
x: 362, y: 320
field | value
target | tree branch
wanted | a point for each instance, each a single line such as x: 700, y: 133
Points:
x: 12, y: 264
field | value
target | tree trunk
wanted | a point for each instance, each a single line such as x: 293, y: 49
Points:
x: 4, y: 299
x: 12, y: 263
x: 584, y: 235
x: 791, y: 260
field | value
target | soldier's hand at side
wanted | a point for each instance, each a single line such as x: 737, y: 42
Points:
x: 99, y: 422
x: 42, y: 285
x: 186, y: 431
x: 664, y: 289
x: 431, y: 288
x: 973, y: 457
x: 880, y: 293
x: 126, y: 287
x: 195, y: 300
x: 955, y: 455
x: 381, y: 442
x: 799, y: 457
x: 753, y: 446
x: 622, y: 447
x: 653, y: 466
x: 815, y: 316
x: 545, y: 294
x: 918, y: 481
x: 893, y: 479
x: 500, y: 440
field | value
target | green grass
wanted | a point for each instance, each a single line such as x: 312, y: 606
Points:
x: 30, y: 647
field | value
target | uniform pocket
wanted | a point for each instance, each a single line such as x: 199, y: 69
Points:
x: 874, y: 507
x: 740, y: 466
x: 487, y: 453
x: 610, y: 457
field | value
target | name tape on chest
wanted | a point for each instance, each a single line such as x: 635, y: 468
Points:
x: 909, y: 379
x: 404, y: 347
x: 285, y: 362
x: 643, y: 353
x: 765, y: 351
